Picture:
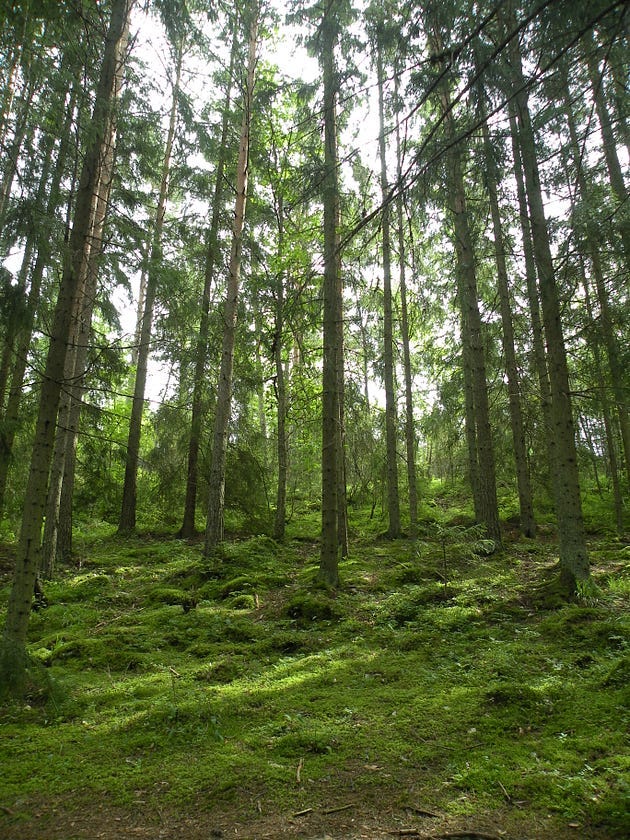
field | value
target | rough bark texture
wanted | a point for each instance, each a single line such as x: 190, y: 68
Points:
x: 574, y: 565
x: 282, y: 443
x: 538, y: 342
x: 329, y: 567
x: 127, y: 521
x: 391, y: 420
x: 216, y: 478
x: 29, y: 545
x: 23, y: 341
x: 57, y: 540
x: 201, y: 353
x: 611, y: 157
x: 526, y: 504
x: 478, y: 429
x: 618, y: 374
x: 410, y: 432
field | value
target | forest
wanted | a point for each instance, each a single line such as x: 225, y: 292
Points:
x: 314, y: 418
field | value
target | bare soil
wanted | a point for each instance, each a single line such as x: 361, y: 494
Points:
x: 350, y: 818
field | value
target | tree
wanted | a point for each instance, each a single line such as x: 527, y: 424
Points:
x: 574, y: 566
x: 328, y: 33
x: 391, y: 420
x: 12, y: 651
x: 211, y: 259
x: 478, y: 428
x: 127, y: 522
x: 216, y: 477
x: 526, y: 504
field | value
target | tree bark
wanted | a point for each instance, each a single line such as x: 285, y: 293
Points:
x: 618, y: 374
x: 611, y: 157
x: 574, y: 565
x: 526, y: 504
x: 216, y: 478
x: 23, y: 340
x: 57, y: 539
x: 201, y: 354
x: 531, y: 285
x: 127, y: 521
x: 282, y: 443
x: 391, y: 420
x: 13, y: 650
x: 478, y: 428
x: 329, y: 564
x: 410, y: 432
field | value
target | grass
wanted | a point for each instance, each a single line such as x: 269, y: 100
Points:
x: 183, y: 682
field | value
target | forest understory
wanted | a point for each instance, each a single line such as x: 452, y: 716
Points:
x: 440, y: 692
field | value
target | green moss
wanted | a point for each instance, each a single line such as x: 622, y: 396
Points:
x: 460, y: 692
x: 306, y: 608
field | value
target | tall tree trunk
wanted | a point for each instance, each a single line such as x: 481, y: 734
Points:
x: 216, y: 478
x: 618, y: 374
x: 574, y: 565
x: 531, y: 285
x: 329, y: 563
x: 11, y: 157
x: 23, y: 340
x: 13, y: 661
x: 526, y: 504
x: 478, y: 429
x: 611, y: 157
x: 410, y: 432
x: 282, y: 442
x: 127, y: 521
x: 606, y: 413
x: 201, y: 352
x: 57, y: 538
x: 391, y: 419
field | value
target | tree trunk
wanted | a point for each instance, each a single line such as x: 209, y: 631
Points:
x: 526, y: 505
x: 613, y: 165
x: 538, y: 343
x: 618, y: 374
x: 606, y: 413
x: 329, y: 564
x: 478, y: 429
x: 410, y: 433
x: 23, y: 340
x: 281, y: 390
x: 12, y: 156
x: 391, y: 420
x: 216, y: 478
x: 57, y: 539
x: 127, y: 521
x: 574, y: 565
x: 13, y: 652
x: 201, y: 353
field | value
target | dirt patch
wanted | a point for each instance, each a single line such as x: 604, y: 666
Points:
x: 350, y: 820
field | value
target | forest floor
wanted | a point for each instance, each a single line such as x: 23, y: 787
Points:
x: 440, y: 693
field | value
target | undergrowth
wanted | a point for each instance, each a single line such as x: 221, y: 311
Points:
x: 432, y: 669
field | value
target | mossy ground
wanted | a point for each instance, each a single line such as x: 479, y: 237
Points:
x: 233, y: 696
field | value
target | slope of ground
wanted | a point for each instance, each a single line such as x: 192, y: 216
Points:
x: 436, y: 694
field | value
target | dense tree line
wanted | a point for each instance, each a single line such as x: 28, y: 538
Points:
x: 412, y: 266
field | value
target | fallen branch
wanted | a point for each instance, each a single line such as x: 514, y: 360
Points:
x: 337, y: 809
x: 303, y: 813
